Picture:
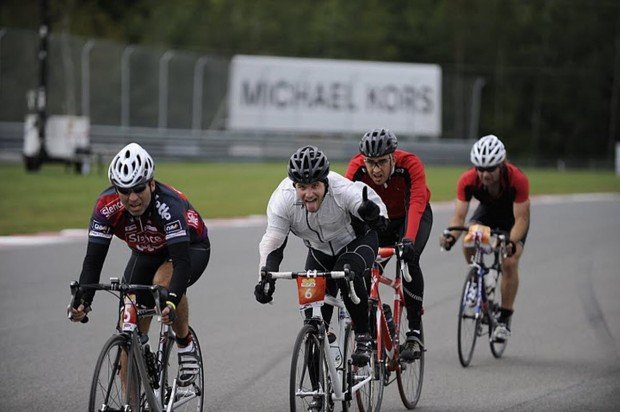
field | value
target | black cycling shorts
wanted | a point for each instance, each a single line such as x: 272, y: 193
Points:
x: 141, y: 268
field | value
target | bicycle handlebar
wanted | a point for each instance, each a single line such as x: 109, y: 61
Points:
x: 160, y: 293
x: 387, y: 252
x: 502, y: 235
x: 334, y: 274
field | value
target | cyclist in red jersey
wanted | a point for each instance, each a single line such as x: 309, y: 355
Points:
x: 168, y: 238
x: 503, y: 192
x: 399, y: 179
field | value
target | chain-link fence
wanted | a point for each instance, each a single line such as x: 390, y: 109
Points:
x: 148, y: 93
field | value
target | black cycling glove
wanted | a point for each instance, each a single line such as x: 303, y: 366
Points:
x: 264, y: 289
x: 369, y: 211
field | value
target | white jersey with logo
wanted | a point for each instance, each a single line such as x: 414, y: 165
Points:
x: 328, y: 230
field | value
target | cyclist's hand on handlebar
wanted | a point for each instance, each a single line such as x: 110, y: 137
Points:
x: 511, y: 248
x: 78, y: 314
x: 408, y: 250
x: 264, y: 289
x: 446, y: 241
x: 169, y: 313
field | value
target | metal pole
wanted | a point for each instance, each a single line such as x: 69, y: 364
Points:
x: 198, y: 85
x: 2, y: 33
x: 41, y: 98
x: 474, y: 116
x: 125, y: 86
x: 162, y: 122
x: 86, y: 77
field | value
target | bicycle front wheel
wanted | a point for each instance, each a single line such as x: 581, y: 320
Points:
x: 410, y: 375
x: 108, y: 390
x: 497, y: 348
x: 186, y: 398
x: 309, y: 380
x: 469, y: 323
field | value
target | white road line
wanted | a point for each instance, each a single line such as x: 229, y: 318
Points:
x: 80, y: 235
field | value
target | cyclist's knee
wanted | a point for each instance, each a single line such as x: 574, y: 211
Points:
x: 163, y: 275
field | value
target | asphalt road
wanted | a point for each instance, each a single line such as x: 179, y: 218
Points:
x: 563, y: 355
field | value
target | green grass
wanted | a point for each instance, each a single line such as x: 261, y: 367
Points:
x: 55, y: 199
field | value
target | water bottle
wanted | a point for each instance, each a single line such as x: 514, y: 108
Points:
x: 387, y: 310
x: 130, y: 315
x: 489, y: 283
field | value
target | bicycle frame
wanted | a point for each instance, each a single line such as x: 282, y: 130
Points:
x: 136, y: 355
x: 384, y: 337
x: 339, y: 394
x: 477, y: 263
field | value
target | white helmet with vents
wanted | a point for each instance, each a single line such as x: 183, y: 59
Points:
x: 489, y: 151
x: 131, y: 166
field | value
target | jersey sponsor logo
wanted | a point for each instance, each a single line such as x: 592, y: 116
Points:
x: 93, y: 233
x: 111, y: 208
x: 192, y: 218
x: 131, y: 228
x: 150, y: 227
x: 99, y: 227
x: 163, y: 210
x: 176, y: 234
x: 144, y: 238
x: 173, y: 226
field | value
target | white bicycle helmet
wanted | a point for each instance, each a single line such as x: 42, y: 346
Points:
x: 131, y: 166
x: 489, y: 151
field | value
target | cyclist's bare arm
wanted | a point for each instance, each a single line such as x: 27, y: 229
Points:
x: 522, y: 220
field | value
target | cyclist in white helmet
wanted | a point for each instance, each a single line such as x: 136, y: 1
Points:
x: 168, y: 238
x: 503, y: 192
x: 337, y: 220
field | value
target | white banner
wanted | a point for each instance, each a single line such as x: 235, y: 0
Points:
x: 313, y: 95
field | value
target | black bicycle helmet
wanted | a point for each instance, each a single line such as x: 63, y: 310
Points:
x: 308, y: 165
x: 378, y: 142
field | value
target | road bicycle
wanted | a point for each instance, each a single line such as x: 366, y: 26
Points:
x: 481, y: 296
x: 322, y: 373
x: 389, y: 330
x: 149, y: 380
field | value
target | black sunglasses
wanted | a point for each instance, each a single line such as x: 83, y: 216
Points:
x: 486, y: 169
x: 137, y: 189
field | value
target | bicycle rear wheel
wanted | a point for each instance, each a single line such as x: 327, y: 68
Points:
x: 469, y: 324
x: 107, y: 390
x: 409, y: 375
x: 187, y: 398
x: 309, y: 379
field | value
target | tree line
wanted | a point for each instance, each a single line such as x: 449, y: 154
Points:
x: 548, y: 70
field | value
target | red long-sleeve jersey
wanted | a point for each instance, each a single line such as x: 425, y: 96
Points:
x: 405, y: 193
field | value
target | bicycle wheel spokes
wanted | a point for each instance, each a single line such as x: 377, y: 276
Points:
x: 497, y: 348
x: 370, y: 396
x: 409, y: 375
x: 309, y: 376
x: 107, y: 391
x: 186, y: 398
x: 469, y: 324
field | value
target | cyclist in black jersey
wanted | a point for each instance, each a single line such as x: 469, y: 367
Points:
x: 168, y: 238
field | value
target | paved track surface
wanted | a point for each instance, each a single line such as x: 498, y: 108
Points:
x: 564, y: 353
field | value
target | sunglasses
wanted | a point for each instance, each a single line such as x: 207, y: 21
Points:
x: 376, y: 163
x: 486, y: 169
x: 129, y: 190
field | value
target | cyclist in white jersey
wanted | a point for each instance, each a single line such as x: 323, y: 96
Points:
x: 337, y: 219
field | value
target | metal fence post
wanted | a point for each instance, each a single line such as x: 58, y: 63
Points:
x: 198, y: 85
x: 162, y: 121
x: 2, y: 33
x: 125, y: 85
x: 86, y: 77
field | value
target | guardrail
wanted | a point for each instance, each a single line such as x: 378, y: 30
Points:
x: 222, y: 145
